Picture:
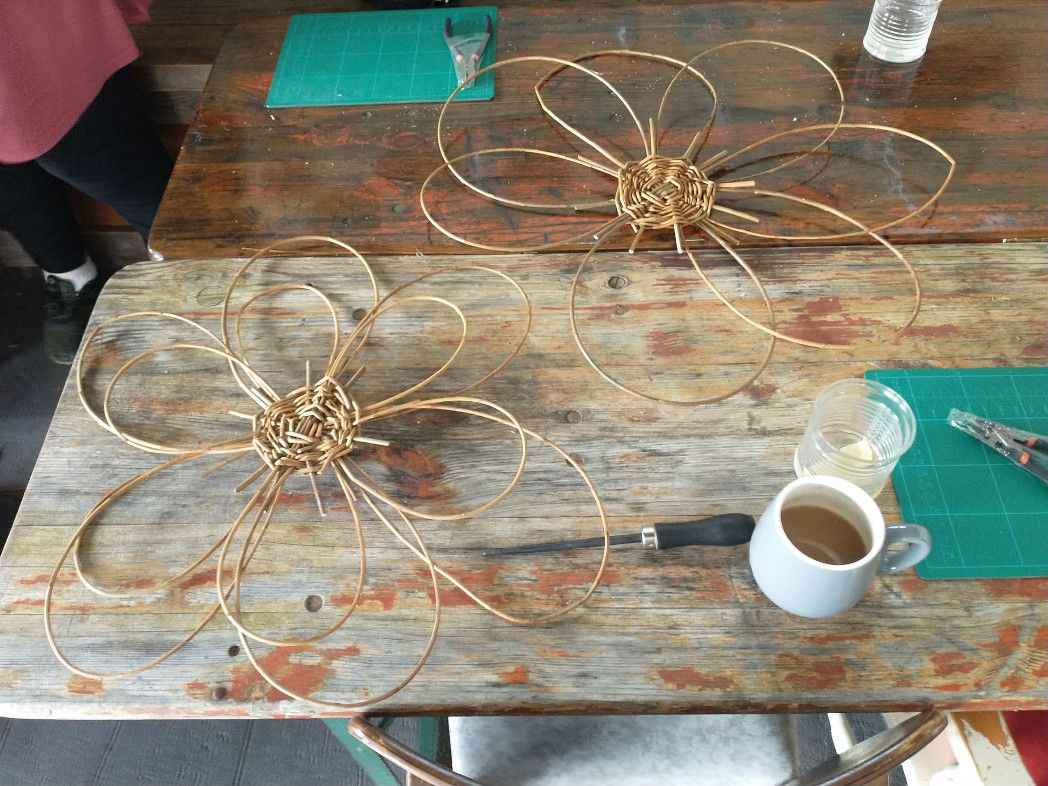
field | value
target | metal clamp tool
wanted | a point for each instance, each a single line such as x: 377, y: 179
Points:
x: 467, y: 50
x: 1028, y: 450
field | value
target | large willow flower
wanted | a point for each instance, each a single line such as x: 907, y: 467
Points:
x: 325, y: 428
x: 594, y: 164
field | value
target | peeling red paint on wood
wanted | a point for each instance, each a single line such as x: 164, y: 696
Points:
x: 716, y: 585
x: 198, y: 689
x: 763, y: 390
x: 451, y: 596
x: 911, y: 584
x: 23, y: 603
x: 553, y: 582
x: 383, y: 597
x: 810, y: 327
x: 40, y: 578
x: 519, y: 675
x: 1040, y: 652
x: 688, y: 678
x: 64, y: 580
x: 246, y: 684
x: 140, y: 583
x: 947, y: 663
x: 818, y: 673
x: 550, y: 652
x: 84, y: 686
x: 1007, y: 642
x: 1015, y: 682
x: 835, y: 638
x: 1032, y: 589
x: 824, y: 306
x: 201, y: 578
x: 668, y: 344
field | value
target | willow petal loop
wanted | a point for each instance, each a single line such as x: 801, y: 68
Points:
x: 321, y: 427
x: 690, y: 191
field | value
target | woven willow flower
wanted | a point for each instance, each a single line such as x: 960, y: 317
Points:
x: 655, y: 181
x: 321, y: 428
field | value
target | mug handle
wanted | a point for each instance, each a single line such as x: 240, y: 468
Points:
x: 920, y: 546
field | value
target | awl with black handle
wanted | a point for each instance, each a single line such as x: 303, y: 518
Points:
x: 727, y: 529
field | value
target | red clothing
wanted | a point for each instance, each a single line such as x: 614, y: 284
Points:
x: 54, y: 58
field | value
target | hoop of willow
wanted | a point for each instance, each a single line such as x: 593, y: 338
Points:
x: 683, y: 192
x: 308, y: 431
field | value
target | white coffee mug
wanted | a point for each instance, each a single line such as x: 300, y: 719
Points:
x: 812, y: 579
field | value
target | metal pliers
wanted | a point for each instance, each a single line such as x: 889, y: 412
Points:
x: 1028, y: 450
x: 467, y: 59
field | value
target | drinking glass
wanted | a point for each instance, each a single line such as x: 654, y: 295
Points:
x: 858, y: 430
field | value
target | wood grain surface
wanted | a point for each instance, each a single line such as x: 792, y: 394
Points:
x: 677, y: 631
x: 247, y: 175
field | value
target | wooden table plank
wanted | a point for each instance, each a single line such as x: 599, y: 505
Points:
x: 248, y: 175
x: 686, y: 630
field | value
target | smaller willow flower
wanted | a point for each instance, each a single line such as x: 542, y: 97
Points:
x: 679, y: 191
x: 315, y: 429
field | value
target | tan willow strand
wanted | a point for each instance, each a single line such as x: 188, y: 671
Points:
x: 314, y: 429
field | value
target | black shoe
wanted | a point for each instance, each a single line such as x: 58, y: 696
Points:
x: 66, y: 312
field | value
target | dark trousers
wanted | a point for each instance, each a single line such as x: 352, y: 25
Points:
x: 111, y: 153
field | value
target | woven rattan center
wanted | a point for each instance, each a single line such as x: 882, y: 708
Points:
x: 658, y: 192
x: 308, y: 429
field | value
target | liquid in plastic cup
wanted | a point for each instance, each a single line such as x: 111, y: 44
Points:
x: 899, y: 29
x: 858, y: 430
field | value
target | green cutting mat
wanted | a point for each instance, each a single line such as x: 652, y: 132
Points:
x: 988, y: 517
x: 377, y: 57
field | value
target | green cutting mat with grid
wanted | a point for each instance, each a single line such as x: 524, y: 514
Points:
x: 377, y: 57
x: 988, y: 517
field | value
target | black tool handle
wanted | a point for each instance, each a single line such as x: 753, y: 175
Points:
x: 727, y: 529
x: 1030, y: 464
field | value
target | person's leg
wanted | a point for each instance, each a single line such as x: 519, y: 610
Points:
x: 34, y: 209
x: 112, y: 153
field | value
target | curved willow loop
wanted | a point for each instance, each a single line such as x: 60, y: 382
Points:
x: 679, y: 191
x: 316, y: 428
x: 587, y: 353
x: 770, y: 329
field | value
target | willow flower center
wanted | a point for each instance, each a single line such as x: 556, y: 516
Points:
x: 308, y: 429
x: 658, y: 192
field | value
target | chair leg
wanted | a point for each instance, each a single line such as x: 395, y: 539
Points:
x: 374, y: 765
x: 428, y: 732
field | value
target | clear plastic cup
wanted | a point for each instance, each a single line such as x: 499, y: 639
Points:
x: 858, y: 430
x: 899, y: 29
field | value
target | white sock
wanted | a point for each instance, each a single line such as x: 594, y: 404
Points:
x: 82, y: 275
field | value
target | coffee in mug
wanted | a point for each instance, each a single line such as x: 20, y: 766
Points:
x: 821, y: 541
x: 823, y: 535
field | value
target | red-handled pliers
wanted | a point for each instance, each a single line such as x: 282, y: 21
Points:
x: 1028, y: 450
x: 468, y: 61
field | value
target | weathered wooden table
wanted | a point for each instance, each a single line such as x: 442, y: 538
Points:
x: 247, y: 175
x: 677, y: 631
